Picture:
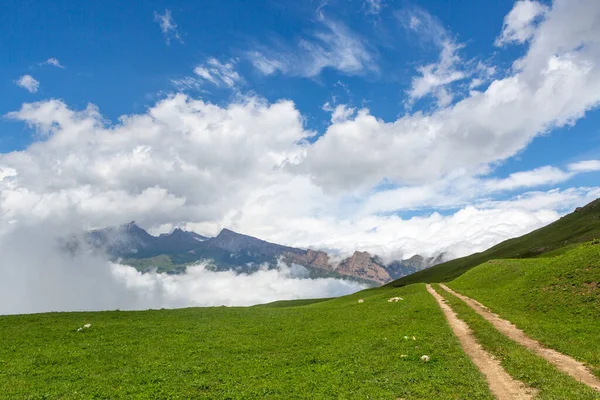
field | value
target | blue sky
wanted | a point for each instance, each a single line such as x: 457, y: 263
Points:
x: 416, y: 66
x: 116, y: 56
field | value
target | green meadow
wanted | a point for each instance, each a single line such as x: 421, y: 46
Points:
x: 338, y: 348
x: 555, y: 300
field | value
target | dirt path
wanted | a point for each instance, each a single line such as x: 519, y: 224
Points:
x: 501, y: 384
x: 563, y: 362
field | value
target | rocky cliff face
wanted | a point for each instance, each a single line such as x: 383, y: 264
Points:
x: 364, y: 265
x: 309, y: 258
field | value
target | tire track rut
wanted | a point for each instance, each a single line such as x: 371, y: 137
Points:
x: 501, y: 384
x: 567, y: 364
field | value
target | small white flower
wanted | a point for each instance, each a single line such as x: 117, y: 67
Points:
x: 403, y: 356
x: 361, y: 301
x: 405, y: 337
x: 414, y: 338
x: 79, y: 329
x: 425, y: 358
x: 86, y: 326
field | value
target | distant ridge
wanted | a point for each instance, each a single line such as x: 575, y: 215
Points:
x: 229, y: 250
x: 580, y: 226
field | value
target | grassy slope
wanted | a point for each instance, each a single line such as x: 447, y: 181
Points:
x: 519, y: 362
x: 555, y: 300
x: 330, y: 349
x: 577, y: 227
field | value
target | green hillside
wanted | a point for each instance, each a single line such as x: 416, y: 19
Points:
x: 580, y: 226
x: 546, y: 282
x: 338, y: 348
x: 555, y: 300
x: 317, y: 348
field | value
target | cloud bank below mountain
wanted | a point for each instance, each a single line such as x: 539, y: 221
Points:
x: 52, y: 279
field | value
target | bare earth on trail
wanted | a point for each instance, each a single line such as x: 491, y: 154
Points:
x: 501, y: 384
x: 563, y: 362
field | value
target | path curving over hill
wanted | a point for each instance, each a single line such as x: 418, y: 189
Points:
x: 501, y: 384
x: 567, y: 364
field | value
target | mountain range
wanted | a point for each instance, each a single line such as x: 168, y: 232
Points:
x: 174, y: 252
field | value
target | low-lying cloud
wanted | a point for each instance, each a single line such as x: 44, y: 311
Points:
x: 202, y: 287
x: 39, y: 275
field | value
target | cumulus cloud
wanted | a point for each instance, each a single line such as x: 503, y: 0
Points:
x: 340, y: 113
x: 334, y: 46
x: 168, y: 26
x: 520, y: 22
x: 553, y: 85
x: 184, y: 157
x: 143, y: 169
x: 54, y: 62
x: 28, y: 83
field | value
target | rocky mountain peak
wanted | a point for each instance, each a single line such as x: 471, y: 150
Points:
x: 363, y: 264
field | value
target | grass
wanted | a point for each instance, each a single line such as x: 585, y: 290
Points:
x: 330, y: 348
x: 571, y: 230
x: 292, y: 303
x: 554, y: 300
x: 321, y: 350
x: 518, y: 361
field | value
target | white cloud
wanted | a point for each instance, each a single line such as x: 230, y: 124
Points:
x: 520, y: 23
x: 28, y: 83
x: 556, y: 82
x: 585, y: 166
x: 168, y: 26
x: 414, y: 22
x: 562, y: 200
x: 460, y: 190
x: 340, y: 113
x: 186, y: 83
x: 265, y: 65
x: 183, y: 160
x: 540, y: 176
x: 436, y: 78
x: 218, y: 73
x: 184, y: 157
x: 333, y: 46
x: 373, y: 7
x: 200, y: 287
x: 54, y: 62
x: 468, y: 229
x: 51, y: 279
